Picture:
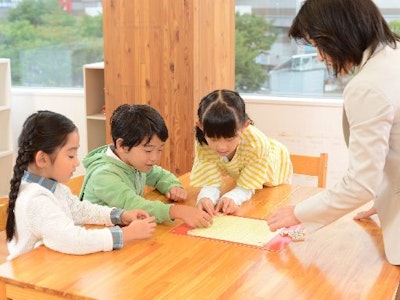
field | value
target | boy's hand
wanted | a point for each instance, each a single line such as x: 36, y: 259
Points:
x: 192, y: 216
x: 226, y: 205
x: 177, y: 194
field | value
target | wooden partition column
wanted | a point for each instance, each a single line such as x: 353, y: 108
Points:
x: 168, y: 54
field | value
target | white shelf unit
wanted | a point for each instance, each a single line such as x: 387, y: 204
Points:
x: 6, y: 151
x: 93, y: 75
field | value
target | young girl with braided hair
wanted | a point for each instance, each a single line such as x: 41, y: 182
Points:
x: 42, y: 210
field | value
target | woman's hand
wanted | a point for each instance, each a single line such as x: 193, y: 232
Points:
x: 283, y: 217
x: 365, y: 214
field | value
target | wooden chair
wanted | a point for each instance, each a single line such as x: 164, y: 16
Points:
x: 3, y: 213
x: 3, y: 219
x: 312, y: 166
x: 75, y: 184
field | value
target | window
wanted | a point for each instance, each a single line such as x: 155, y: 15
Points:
x: 268, y: 62
x: 48, y: 42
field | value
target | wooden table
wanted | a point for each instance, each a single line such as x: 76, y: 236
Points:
x: 344, y: 260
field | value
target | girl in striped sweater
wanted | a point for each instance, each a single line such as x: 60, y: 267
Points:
x: 227, y: 143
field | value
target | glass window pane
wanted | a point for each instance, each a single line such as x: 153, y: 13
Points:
x: 48, y: 41
x: 268, y: 62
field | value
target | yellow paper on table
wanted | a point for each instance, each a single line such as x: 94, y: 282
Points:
x: 236, y: 229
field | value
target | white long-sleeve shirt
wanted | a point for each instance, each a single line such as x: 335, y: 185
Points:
x: 53, y: 219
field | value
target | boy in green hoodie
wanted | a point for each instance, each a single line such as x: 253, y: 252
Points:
x: 116, y: 174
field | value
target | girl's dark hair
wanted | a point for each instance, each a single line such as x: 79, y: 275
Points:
x: 42, y: 131
x: 342, y: 29
x: 136, y: 123
x: 221, y: 113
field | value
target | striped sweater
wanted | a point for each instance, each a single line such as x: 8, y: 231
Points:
x: 258, y: 161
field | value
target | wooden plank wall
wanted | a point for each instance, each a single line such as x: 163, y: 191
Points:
x: 168, y: 54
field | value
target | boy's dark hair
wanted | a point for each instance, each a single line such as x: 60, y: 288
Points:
x: 221, y: 113
x: 42, y: 131
x: 342, y: 29
x: 137, y: 123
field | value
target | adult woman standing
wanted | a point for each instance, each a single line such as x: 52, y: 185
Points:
x: 353, y: 37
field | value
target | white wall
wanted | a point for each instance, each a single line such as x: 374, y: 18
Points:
x: 304, y: 126
x: 70, y: 102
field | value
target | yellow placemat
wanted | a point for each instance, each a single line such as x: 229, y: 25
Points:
x: 248, y: 231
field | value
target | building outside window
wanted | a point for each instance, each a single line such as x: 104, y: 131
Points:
x: 48, y: 42
x: 291, y: 69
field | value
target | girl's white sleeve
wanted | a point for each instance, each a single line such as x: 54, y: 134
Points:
x: 85, y: 212
x: 211, y: 192
x: 239, y: 195
x: 53, y: 223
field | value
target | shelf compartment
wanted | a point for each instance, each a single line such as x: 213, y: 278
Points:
x: 5, y: 82
x: 94, y: 99
x: 5, y: 140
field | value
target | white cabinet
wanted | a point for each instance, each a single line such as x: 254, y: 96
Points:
x: 6, y: 151
x: 93, y: 75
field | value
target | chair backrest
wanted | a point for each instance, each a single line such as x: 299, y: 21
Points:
x: 3, y: 220
x: 75, y: 184
x: 312, y: 166
x: 3, y: 213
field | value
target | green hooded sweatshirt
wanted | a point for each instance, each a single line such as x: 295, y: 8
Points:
x: 111, y: 182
